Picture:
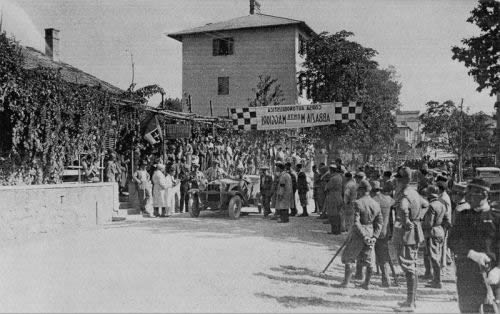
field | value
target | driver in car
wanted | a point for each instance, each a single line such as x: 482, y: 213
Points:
x: 215, y: 172
x: 198, y: 180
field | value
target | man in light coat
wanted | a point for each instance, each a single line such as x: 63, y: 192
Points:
x: 284, y: 193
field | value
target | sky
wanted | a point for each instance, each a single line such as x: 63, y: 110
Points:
x: 100, y: 36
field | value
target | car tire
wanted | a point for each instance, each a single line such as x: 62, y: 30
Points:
x: 193, y: 205
x: 234, y: 207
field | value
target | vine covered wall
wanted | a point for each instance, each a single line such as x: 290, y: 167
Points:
x: 47, y: 121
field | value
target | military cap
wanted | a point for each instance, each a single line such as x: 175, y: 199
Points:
x: 360, y: 174
x: 365, y: 185
x: 332, y: 166
x: 480, y: 183
x: 432, y: 191
x: 376, y: 185
x: 403, y: 172
x: 264, y: 168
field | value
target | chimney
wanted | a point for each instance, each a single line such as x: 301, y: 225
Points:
x: 254, y: 7
x: 52, y: 43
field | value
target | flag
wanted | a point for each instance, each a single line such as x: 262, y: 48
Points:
x: 154, y: 136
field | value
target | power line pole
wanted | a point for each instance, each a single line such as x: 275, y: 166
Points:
x: 461, y: 152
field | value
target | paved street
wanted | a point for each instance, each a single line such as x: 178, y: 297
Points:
x: 181, y: 264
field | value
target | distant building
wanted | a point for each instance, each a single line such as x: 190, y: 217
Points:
x: 221, y: 62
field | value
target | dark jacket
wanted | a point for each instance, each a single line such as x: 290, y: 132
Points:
x: 266, y: 185
x: 302, y: 185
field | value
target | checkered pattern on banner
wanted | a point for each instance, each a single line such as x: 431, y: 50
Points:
x: 244, y: 118
x: 349, y: 111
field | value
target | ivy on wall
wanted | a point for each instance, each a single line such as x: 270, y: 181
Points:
x: 46, y: 121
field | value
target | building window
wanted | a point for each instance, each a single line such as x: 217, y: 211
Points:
x: 223, y: 85
x: 223, y: 46
x: 302, y: 45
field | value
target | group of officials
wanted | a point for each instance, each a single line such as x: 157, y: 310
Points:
x: 391, y: 216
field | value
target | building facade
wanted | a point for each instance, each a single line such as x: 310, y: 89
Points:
x: 222, y: 62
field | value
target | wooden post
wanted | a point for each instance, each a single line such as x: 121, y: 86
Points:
x: 211, y: 109
x: 163, y: 136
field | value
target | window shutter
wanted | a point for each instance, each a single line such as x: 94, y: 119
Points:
x: 230, y: 45
x: 215, y: 47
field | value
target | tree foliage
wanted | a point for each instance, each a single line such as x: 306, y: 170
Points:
x: 453, y: 130
x: 482, y: 54
x: 338, y: 69
x: 267, y: 93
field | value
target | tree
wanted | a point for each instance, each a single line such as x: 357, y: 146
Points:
x: 267, y: 93
x: 338, y: 69
x: 482, y: 54
x: 454, y: 130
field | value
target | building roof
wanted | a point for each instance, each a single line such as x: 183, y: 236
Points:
x: 34, y: 59
x: 249, y: 21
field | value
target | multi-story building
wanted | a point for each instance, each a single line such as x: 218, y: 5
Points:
x: 222, y: 62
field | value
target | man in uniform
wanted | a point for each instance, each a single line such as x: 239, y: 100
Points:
x: 266, y: 189
x: 302, y: 188
x: 387, y: 184
x: 408, y: 234
x: 350, y: 195
x: 184, y: 173
x: 293, y: 176
x: 475, y: 240
x: 364, y: 233
x: 283, y: 193
x: 324, y: 179
x: 436, y: 221
x: 382, y: 245
x: 334, y: 199
x: 316, y: 187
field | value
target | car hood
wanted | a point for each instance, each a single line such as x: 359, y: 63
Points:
x: 225, y: 181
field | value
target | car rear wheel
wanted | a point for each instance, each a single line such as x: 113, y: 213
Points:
x: 234, y: 207
x: 193, y: 205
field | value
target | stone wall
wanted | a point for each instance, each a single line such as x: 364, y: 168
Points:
x: 28, y: 210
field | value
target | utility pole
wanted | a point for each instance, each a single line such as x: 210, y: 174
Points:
x: 461, y: 152
x: 132, y: 62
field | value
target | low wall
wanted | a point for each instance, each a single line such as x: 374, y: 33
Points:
x: 27, y: 210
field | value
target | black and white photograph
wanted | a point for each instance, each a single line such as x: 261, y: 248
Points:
x: 250, y: 156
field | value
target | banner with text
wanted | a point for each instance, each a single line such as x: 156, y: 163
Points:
x: 294, y: 116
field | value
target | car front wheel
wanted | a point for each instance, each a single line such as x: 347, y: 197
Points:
x: 234, y: 207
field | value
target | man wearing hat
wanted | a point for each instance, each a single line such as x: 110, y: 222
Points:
x: 215, y: 172
x: 475, y: 240
x: 436, y: 221
x: 283, y: 193
x: 184, y: 177
x: 334, y: 199
x: 324, y: 179
x: 293, y: 175
x: 364, y: 233
x: 387, y: 184
x: 382, y: 245
x: 266, y: 189
x: 350, y: 196
x: 458, y: 192
x: 408, y: 234
x: 302, y: 188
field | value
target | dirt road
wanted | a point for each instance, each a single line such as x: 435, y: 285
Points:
x: 181, y: 264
